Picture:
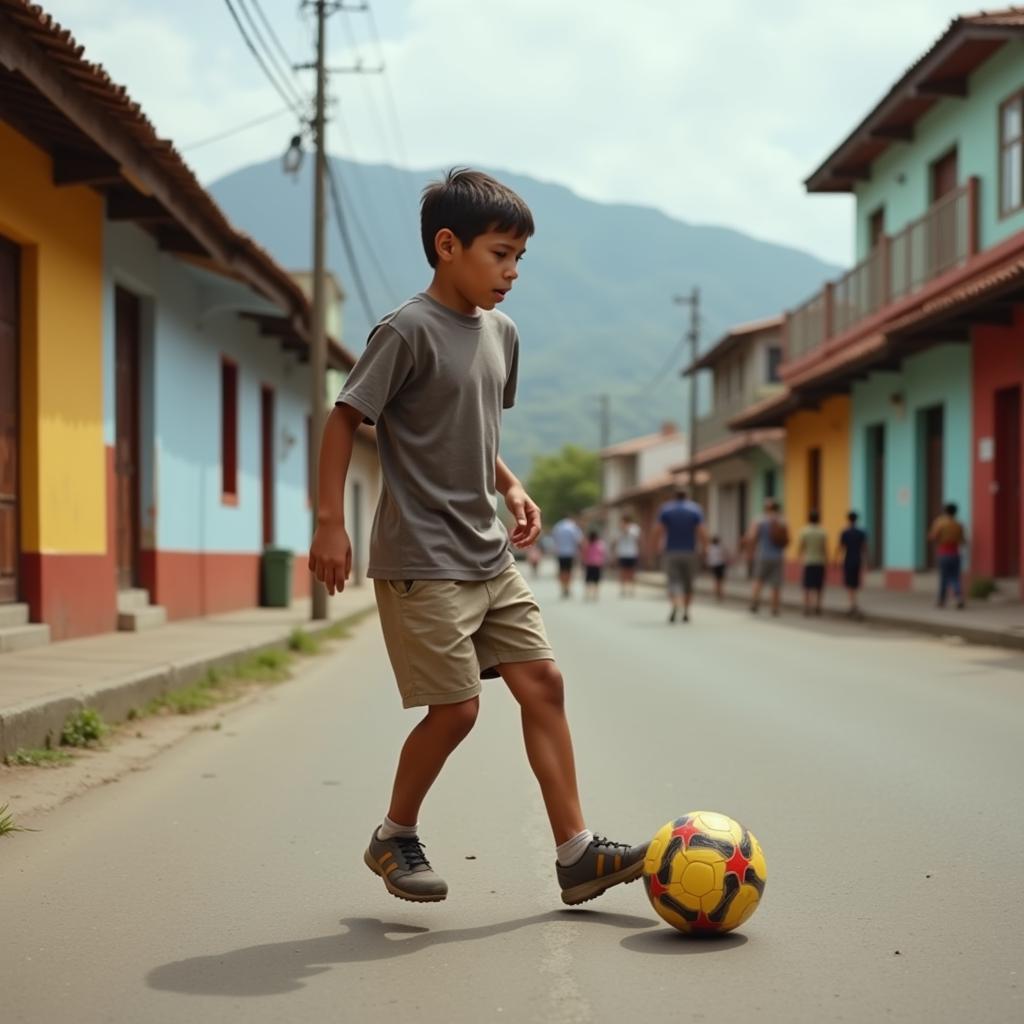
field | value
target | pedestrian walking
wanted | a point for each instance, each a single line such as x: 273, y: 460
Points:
x: 682, y: 538
x: 948, y: 535
x: 453, y: 605
x: 567, y: 538
x: 627, y: 551
x: 852, y: 556
x: 533, y: 558
x: 717, y: 560
x: 595, y: 552
x: 767, y: 541
x: 812, y: 550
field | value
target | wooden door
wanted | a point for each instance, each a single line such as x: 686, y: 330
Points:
x: 942, y: 223
x: 1007, y: 497
x: 10, y: 547
x: 267, y: 461
x: 813, y: 480
x: 126, y: 452
x: 944, y: 174
x: 876, y: 493
x: 934, y: 449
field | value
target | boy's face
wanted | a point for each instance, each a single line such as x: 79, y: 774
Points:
x: 484, y: 271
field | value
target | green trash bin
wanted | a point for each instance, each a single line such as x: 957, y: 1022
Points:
x: 277, y: 578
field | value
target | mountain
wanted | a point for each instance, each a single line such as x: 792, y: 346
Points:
x: 593, y: 301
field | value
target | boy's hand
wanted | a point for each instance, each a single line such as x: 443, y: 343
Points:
x: 526, y: 514
x: 330, y: 556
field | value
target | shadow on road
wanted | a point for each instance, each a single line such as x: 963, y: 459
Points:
x: 282, y: 966
x: 669, y: 942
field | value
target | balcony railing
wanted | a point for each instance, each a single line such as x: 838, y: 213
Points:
x: 943, y: 239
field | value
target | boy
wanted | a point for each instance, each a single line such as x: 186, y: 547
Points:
x: 853, y: 543
x: 434, y: 378
x: 812, y: 548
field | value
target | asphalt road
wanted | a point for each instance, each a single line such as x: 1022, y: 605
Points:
x: 881, y: 772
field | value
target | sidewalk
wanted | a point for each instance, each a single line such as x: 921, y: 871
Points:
x: 114, y: 672
x: 998, y: 622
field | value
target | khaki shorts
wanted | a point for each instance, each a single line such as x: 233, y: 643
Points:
x: 680, y: 568
x: 442, y: 636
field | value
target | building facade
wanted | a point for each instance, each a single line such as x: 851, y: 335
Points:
x: 742, y: 468
x: 154, y: 383
x: 922, y: 337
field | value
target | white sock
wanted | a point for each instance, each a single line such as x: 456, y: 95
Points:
x: 572, y: 849
x: 389, y: 829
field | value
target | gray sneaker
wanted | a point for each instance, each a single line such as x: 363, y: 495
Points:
x: 603, y: 865
x: 406, y: 871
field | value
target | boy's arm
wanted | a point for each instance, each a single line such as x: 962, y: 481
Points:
x: 523, y: 508
x: 330, y: 554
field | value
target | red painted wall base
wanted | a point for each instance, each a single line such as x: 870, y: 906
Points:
x: 75, y: 595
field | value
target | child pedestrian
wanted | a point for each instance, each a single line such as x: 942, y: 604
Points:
x: 434, y: 377
x: 853, y: 544
x: 627, y: 551
x: 594, y: 555
x: 812, y: 549
x: 716, y: 562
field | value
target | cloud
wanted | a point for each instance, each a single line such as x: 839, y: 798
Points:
x: 714, y: 113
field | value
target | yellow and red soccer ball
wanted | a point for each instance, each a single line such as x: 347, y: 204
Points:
x: 704, y: 873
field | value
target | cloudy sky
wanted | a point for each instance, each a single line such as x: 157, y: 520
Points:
x: 714, y: 112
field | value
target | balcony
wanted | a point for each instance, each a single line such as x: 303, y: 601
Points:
x: 943, y: 239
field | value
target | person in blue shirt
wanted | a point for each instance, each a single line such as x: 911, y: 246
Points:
x: 683, y: 539
x: 568, y: 539
x: 853, y: 544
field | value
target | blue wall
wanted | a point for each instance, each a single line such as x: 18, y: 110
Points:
x: 940, y: 376
x: 190, y: 319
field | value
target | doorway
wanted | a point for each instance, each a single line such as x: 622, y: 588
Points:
x: 943, y: 221
x: 813, y: 481
x: 876, y: 493
x: 127, y: 329
x: 932, y: 485
x: 267, y: 461
x: 1007, y: 467
x: 10, y: 542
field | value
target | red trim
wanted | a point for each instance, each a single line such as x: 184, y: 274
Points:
x: 190, y: 584
x: 899, y: 579
x: 75, y: 595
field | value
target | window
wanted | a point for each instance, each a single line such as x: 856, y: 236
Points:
x: 774, y: 361
x: 769, y: 483
x: 876, y: 228
x: 1011, y: 155
x: 229, y: 431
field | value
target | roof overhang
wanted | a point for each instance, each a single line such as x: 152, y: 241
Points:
x: 730, y: 341
x: 941, y: 73
x: 737, y: 445
x: 98, y: 137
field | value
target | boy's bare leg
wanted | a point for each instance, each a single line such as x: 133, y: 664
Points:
x: 424, y: 753
x: 537, y: 686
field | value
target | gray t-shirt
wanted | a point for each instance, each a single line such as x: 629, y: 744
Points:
x: 434, y: 382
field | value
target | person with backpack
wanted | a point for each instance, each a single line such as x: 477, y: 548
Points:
x: 767, y: 540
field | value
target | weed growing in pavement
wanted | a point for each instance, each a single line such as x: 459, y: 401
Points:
x: 342, y: 629
x: 302, y: 642
x: 269, y: 666
x: 38, y: 757
x: 83, y: 728
x: 8, y: 824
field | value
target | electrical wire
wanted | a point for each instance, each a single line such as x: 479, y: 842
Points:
x: 346, y: 241
x: 294, y: 104
x: 284, y: 73
x: 238, y: 128
x: 274, y: 37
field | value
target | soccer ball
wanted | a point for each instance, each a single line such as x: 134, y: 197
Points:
x: 704, y: 873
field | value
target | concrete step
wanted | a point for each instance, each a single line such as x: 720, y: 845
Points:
x: 18, y: 638
x: 13, y: 615
x: 129, y: 600
x: 137, y: 619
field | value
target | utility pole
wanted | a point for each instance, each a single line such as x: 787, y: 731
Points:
x: 692, y: 335
x: 605, y: 419
x: 318, y: 333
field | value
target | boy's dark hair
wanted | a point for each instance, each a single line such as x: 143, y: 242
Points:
x: 814, y: 516
x: 682, y: 494
x: 950, y: 509
x: 852, y: 516
x: 470, y: 203
x: 592, y: 536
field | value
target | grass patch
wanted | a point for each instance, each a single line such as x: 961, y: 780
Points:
x: 342, y: 629
x: 83, y: 729
x: 212, y: 689
x: 982, y: 588
x: 8, y: 826
x: 38, y: 757
x: 301, y: 642
x: 269, y: 666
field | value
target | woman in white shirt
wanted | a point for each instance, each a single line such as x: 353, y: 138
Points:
x: 627, y: 551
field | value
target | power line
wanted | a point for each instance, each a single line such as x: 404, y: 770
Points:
x: 284, y: 73
x: 238, y: 128
x: 275, y: 39
x: 396, y: 124
x: 346, y: 241
x: 293, y: 104
x: 367, y: 244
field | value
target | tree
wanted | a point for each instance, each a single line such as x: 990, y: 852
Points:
x: 566, y: 482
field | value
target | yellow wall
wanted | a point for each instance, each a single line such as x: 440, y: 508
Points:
x: 827, y: 428
x: 63, y: 466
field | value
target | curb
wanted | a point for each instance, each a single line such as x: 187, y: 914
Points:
x: 964, y: 631
x: 38, y: 723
